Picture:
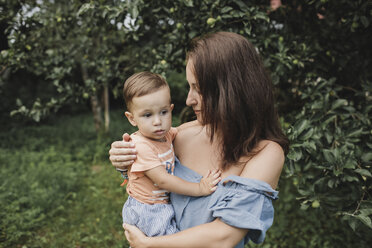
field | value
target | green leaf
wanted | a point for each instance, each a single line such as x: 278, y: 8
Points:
x: 367, y: 157
x: 226, y: 9
x: 307, y: 135
x: 353, y: 222
x: 241, y: 5
x: 363, y: 172
x: 350, y: 164
x: 84, y: 8
x: 304, y: 206
x: 349, y: 178
x: 365, y: 219
x: 295, y: 155
x: 189, y: 3
x: 332, y: 182
x: 366, y: 212
x: 328, y: 155
x: 309, y: 146
x: 338, y: 103
x: 301, y: 126
x: 329, y: 137
x: 364, y: 21
x: 355, y: 133
x: 134, y: 12
x: 317, y: 105
x: 329, y: 119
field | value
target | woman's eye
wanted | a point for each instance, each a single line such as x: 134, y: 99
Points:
x: 196, y: 88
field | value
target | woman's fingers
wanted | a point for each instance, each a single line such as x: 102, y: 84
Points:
x: 127, y: 233
x: 121, y: 144
x: 122, y: 154
x: 134, y: 236
x: 122, y: 158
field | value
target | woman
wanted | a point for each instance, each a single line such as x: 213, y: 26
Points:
x: 237, y: 131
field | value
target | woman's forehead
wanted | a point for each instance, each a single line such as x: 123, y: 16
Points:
x: 190, y: 74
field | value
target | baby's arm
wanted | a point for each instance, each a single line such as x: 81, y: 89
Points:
x: 177, y: 185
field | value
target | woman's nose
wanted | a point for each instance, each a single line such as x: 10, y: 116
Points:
x: 190, y: 100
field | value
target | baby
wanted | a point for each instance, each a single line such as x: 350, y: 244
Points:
x: 151, y: 178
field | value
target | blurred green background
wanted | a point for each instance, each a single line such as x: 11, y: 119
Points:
x: 62, y: 66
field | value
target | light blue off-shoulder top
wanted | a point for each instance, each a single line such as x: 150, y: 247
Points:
x: 239, y: 202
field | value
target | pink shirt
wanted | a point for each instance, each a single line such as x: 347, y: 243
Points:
x: 150, y: 154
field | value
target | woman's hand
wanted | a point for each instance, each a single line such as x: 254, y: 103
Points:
x: 122, y: 153
x: 135, y: 237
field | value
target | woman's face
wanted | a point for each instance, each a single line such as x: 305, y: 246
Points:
x: 194, y: 98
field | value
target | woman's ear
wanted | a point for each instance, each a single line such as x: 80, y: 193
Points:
x: 130, y: 118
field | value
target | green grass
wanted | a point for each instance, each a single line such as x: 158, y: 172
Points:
x: 57, y: 188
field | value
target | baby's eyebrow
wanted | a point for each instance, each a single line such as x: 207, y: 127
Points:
x: 145, y: 111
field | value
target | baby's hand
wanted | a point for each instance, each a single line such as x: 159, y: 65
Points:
x: 208, y: 184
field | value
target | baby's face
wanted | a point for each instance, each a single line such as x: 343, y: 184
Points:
x: 152, y: 114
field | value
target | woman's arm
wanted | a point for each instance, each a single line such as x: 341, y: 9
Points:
x: 213, y: 234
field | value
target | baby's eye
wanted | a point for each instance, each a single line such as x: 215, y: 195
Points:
x: 147, y: 115
x: 163, y: 112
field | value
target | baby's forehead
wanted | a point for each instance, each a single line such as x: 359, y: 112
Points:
x: 155, y: 100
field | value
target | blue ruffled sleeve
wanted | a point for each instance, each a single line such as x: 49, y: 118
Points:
x: 244, y: 203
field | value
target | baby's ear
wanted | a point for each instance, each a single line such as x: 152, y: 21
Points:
x: 172, y: 106
x: 130, y: 118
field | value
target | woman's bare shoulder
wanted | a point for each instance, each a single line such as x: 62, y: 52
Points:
x: 189, y: 128
x: 267, y: 164
x: 188, y: 125
x: 271, y: 150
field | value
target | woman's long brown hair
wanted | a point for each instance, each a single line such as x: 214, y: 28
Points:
x: 237, y: 97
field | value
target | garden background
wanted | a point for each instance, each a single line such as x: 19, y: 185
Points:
x: 62, y: 66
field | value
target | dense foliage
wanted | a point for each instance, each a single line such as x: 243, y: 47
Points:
x: 318, y: 52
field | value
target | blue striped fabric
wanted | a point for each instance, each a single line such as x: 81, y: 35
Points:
x: 151, y: 219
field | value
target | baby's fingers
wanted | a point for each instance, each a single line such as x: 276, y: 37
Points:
x: 207, y: 174
x: 216, y: 173
x: 213, y: 184
x: 213, y: 189
x: 216, y: 181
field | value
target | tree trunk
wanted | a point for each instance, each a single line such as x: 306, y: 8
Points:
x: 95, y: 104
x: 97, y: 112
x: 106, y: 103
